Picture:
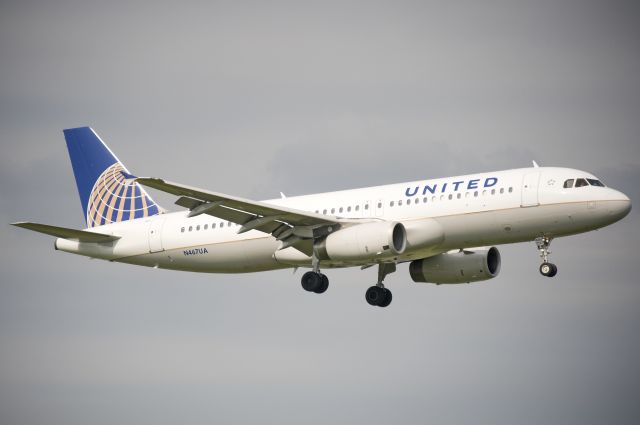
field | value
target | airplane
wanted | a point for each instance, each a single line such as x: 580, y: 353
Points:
x: 445, y: 228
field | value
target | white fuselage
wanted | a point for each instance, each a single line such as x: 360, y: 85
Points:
x: 474, y: 210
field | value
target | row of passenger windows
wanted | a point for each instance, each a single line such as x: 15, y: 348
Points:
x: 569, y: 183
x: 342, y: 209
x: 416, y: 201
x: 348, y: 209
x: 197, y: 227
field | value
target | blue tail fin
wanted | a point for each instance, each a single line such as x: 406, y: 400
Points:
x: 108, y: 192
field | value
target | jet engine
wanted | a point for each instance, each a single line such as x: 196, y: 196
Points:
x: 373, y: 240
x: 464, y: 266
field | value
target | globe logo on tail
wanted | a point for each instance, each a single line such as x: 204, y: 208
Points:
x: 117, y: 197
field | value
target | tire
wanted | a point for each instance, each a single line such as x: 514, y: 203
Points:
x: 323, y: 285
x: 375, y: 295
x: 548, y: 269
x: 311, y: 281
x: 387, y: 298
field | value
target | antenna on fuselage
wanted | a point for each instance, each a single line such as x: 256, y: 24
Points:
x: 535, y: 164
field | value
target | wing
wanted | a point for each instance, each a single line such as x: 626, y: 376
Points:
x: 67, y: 233
x: 293, y: 227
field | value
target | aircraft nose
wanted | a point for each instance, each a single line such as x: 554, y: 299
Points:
x: 620, y: 207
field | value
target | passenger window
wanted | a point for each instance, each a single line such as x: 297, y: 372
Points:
x: 213, y: 225
x: 459, y: 195
x: 493, y: 191
x: 324, y: 212
x: 190, y: 228
x: 379, y: 204
x: 568, y: 184
x: 206, y: 226
x: 581, y: 183
x: 333, y: 210
x: 391, y: 203
x: 501, y: 190
x: 450, y: 196
x: 340, y: 210
x: 475, y: 193
x: 424, y: 200
x: 182, y: 230
x: 348, y: 209
x: 400, y: 203
x: 442, y: 197
x: 357, y: 207
x: 510, y: 189
x: 408, y: 201
x: 366, y: 206
x: 221, y: 224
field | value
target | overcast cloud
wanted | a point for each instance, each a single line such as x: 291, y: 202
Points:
x: 254, y: 98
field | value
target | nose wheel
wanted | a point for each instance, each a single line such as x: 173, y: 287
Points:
x: 546, y: 268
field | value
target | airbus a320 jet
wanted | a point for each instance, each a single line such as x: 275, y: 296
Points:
x: 445, y: 228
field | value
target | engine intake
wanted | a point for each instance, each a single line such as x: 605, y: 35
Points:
x: 469, y: 265
x: 365, y: 241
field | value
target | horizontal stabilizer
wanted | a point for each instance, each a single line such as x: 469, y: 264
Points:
x: 66, y: 233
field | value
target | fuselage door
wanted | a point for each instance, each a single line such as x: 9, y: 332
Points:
x: 530, y: 189
x: 155, y: 234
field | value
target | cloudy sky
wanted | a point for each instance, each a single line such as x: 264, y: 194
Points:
x: 254, y: 98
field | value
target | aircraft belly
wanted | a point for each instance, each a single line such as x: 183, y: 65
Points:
x: 516, y: 224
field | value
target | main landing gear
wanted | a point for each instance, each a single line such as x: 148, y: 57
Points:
x: 378, y: 295
x: 546, y: 268
x: 314, y: 281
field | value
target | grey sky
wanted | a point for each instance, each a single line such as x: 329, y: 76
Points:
x: 253, y: 98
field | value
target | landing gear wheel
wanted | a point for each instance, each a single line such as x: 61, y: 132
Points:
x: 548, y: 269
x: 314, y: 282
x: 387, y: 298
x: 378, y: 296
x: 311, y: 281
x: 323, y: 285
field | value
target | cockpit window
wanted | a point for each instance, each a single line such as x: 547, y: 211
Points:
x: 568, y: 184
x: 581, y: 183
x: 594, y: 182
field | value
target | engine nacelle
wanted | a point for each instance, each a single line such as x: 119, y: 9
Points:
x: 365, y: 241
x: 470, y: 265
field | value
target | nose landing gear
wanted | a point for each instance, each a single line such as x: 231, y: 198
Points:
x: 546, y: 268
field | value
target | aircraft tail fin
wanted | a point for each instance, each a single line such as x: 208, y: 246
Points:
x: 108, y: 191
